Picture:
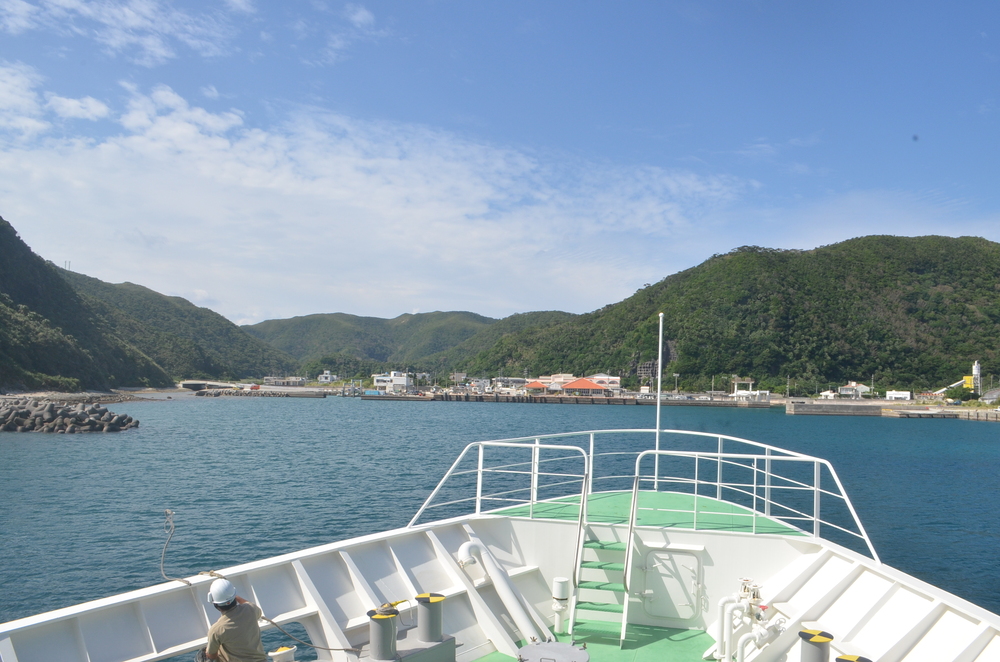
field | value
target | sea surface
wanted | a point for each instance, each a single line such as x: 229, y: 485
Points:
x: 81, y: 516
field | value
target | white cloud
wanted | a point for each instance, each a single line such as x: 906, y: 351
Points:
x: 87, y: 108
x: 22, y: 112
x: 297, y: 219
x: 245, y: 6
x: 304, y: 217
x: 361, y: 28
x: 17, y: 16
x: 210, y: 92
x: 20, y: 107
x: 359, y: 17
x: 147, y: 30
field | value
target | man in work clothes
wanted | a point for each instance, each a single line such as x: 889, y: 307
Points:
x: 235, y: 637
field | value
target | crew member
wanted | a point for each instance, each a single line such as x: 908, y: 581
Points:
x: 235, y: 637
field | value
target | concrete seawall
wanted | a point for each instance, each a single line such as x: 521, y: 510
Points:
x: 887, y: 409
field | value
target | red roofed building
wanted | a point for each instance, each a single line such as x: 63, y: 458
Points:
x: 534, y: 387
x: 584, y: 387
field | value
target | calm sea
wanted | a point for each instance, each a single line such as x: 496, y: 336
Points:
x: 82, y: 515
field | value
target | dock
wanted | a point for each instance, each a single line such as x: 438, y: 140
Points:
x: 565, y: 400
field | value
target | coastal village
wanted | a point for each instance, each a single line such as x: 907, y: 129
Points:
x: 407, y: 384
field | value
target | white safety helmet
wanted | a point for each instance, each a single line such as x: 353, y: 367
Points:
x: 222, y: 592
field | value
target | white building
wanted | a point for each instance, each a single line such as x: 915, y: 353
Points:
x: 897, y: 395
x: 326, y: 377
x: 607, y: 381
x: 853, y: 390
x: 395, y: 381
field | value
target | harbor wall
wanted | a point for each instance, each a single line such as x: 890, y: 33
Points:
x: 590, y: 400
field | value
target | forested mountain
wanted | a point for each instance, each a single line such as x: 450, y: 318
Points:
x: 401, y: 340
x: 350, y: 364
x: 184, y: 339
x: 913, y: 312
x: 51, y: 337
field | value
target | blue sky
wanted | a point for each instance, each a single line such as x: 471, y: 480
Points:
x: 271, y: 159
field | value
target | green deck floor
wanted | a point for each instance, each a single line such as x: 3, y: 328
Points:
x: 656, y: 509
x: 642, y: 644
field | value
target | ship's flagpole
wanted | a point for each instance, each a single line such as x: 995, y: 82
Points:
x: 659, y: 393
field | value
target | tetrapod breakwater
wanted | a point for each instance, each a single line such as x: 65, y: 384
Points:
x: 24, y: 415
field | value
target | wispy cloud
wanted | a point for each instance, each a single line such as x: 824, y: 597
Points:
x: 147, y: 31
x: 20, y: 106
x: 326, y: 194
x: 301, y: 217
x: 360, y: 26
x: 87, y: 108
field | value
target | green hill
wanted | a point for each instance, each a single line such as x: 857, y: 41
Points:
x: 915, y: 312
x: 401, y: 340
x: 53, y: 338
x: 186, y: 340
x: 345, y: 363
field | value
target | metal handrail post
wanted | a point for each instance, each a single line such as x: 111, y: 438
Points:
x: 534, y: 478
x: 440, y: 484
x: 479, y: 482
x: 754, y: 509
x: 694, y: 521
x: 854, y: 514
x: 767, y: 482
x: 631, y: 531
x: 590, y: 473
x: 718, y: 478
x: 816, y: 496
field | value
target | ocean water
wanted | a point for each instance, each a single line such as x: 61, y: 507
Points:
x: 81, y: 516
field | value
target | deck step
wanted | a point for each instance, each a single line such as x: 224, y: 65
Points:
x: 603, y: 565
x: 613, y: 608
x: 604, y: 586
x: 611, y: 629
x: 608, y: 545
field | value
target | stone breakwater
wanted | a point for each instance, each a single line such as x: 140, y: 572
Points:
x: 47, y: 416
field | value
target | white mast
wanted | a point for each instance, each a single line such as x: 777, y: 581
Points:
x: 659, y: 388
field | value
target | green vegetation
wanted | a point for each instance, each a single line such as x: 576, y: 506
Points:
x: 408, y: 341
x: 913, y: 312
x: 187, y: 341
x: 406, y: 338
x: 51, y: 337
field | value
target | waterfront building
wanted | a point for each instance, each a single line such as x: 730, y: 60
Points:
x: 394, y: 381
x: 285, y: 381
x: 584, y: 387
x: 897, y: 395
x: 326, y: 377
x: 613, y: 384
x: 853, y: 390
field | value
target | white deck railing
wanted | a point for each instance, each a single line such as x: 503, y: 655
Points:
x: 801, y: 491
